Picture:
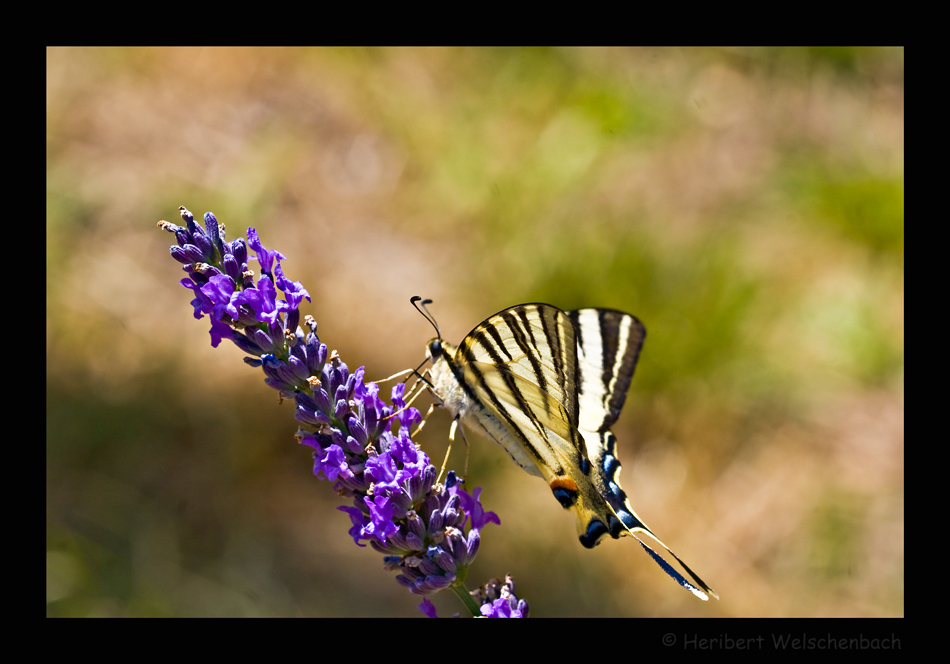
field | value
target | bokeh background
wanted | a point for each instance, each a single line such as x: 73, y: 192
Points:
x: 746, y: 204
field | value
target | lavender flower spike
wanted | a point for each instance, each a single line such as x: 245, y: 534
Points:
x: 429, y: 533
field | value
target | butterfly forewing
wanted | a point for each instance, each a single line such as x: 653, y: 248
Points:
x: 520, y: 365
x: 534, y: 342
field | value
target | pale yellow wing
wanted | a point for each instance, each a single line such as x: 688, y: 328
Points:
x: 520, y: 365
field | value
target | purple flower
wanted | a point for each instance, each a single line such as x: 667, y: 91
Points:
x: 294, y: 292
x: 202, y: 303
x: 265, y: 257
x: 427, y: 532
x: 359, y: 523
x: 504, y: 607
x: 263, y: 300
x: 498, y: 600
x: 220, y: 330
x: 381, y: 518
x: 225, y: 299
x: 331, y: 464
x: 428, y: 608
x: 470, y: 504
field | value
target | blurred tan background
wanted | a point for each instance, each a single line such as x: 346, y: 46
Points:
x: 746, y: 204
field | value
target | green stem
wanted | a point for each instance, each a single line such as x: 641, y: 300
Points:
x: 462, y: 592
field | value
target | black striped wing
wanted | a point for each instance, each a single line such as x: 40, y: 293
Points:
x: 520, y: 369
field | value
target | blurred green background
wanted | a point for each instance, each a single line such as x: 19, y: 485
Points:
x: 746, y: 204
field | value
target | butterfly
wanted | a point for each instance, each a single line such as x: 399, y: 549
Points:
x: 547, y: 385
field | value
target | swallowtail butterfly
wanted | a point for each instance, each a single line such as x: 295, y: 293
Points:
x: 547, y: 385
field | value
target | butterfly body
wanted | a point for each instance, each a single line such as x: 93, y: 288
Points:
x: 547, y: 385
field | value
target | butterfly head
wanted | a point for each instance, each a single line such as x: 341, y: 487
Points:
x: 435, y: 349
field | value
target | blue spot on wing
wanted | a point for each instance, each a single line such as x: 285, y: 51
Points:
x: 595, y: 530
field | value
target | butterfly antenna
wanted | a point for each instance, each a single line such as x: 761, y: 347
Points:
x: 429, y: 317
x: 420, y: 306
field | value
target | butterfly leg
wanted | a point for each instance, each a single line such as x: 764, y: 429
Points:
x: 448, y: 450
x: 424, y: 420
x: 455, y: 427
x: 467, y: 449
x: 414, y: 391
x: 395, y: 375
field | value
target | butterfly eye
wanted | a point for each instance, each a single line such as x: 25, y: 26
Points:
x: 435, y: 349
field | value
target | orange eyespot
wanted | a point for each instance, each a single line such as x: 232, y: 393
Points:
x: 565, y: 483
x: 565, y: 491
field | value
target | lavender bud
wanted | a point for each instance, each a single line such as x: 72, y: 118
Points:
x: 180, y: 255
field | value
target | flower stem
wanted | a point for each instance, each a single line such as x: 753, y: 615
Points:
x: 462, y: 592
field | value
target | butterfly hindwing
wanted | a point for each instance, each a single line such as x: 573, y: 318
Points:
x: 608, y: 345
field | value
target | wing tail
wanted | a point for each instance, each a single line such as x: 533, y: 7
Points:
x: 605, y: 477
x: 701, y: 592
